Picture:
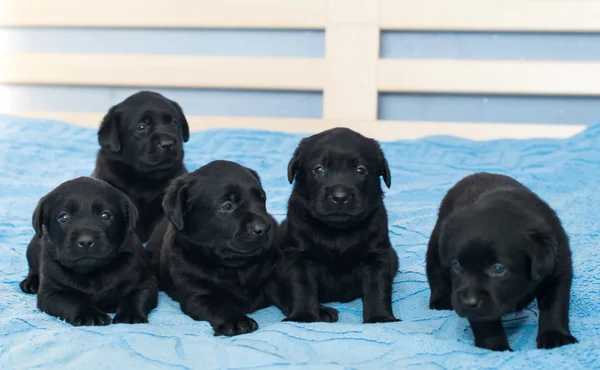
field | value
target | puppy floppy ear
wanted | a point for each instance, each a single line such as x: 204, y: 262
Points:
x: 38, y: 219
x: 542, y: 253
x: 445, y: 240
x: 175, y: 201
x: 130, y: 211
x: 385, y: 172
x: 185, y: 128
x: 255, y: 174
x: 294, y: 164
x: 108, y: 134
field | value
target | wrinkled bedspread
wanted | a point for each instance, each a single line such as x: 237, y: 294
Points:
x: 35, y: 156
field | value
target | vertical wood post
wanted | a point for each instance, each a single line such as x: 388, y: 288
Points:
x: 351, y: 54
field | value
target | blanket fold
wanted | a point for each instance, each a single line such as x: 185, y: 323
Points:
x: 37, y: 155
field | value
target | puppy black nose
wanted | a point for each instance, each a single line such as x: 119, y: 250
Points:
x: 470, y: 302
x: 260, y: 228
x: 166, y: 144
x: 86, y: 241
x: 340, y: 195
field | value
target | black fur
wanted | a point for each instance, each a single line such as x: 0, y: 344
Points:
x: 85, y: 259
x: 216, y: 256
x: 496, y: 246
x: 141, y: 151
x: 335, y: 244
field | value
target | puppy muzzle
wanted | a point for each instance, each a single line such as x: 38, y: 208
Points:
x: 165, y: 143
x: 164, y: 148
x: 475, y: 305
x: 339, y: 202
x: 256, y: 235
x: 258, y: 228
x: 86, y: 246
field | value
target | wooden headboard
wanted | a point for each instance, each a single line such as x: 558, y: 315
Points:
x: 351, y: 75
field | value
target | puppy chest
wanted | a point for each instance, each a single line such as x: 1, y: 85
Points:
x: 333, y: 263
x: 106, y: 291
x: 338, y: 284
x: 240, y: 287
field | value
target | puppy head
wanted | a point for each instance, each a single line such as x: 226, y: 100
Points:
x: 84, y: 223
x: 146, y: 131
x: 496, y: 257
x: 221, y: 207
x: 337, y: 176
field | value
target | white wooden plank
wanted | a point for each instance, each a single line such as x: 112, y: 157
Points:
x: 491, y: 15
x: 162, y: 71
x: 489, y: 77
x: 288, y: 14
x: 351, y: 54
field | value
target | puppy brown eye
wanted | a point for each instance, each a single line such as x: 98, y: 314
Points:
x: 227, y: 207
x: 361, y: 170
x: 455, y: 266
x: 142, y: 127
x: 319, y: 170
x: 497, y: 270
x: 106, y: 216
x: 64, y: 217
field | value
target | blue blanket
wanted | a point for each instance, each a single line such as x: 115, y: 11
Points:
x: 35, y: 156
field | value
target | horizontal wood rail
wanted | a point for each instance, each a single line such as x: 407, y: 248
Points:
x: 162, y: 71
x: 351, y: 75
x: 491, y: 15
x: 284, y: 14
x: 489, y: 77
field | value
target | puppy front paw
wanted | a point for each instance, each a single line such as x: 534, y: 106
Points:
x: 498, y: 345
x: 328, y: 314
x: 90, y: 316
x: 237, y: 326
x: 441, y: 303
x: 130, y: 316
x: 553, y: 338
x: 31, y: 284
x: 303, y: 317
x: 380, y: 318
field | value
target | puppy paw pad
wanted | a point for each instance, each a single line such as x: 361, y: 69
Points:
x: 443, y: 303
x: 30, y: 285
x: 130, y: 318
x: 91, y: 317
x: 553, y: 339
x: 380, y: 319
x: 494, y: 344
x: 237, y: 326
x: 303, y: 317
x: 328, y: 314
x: 500, y: 348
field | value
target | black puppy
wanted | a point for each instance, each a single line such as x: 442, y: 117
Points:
x: 334, y: 242
x: 217, y: 257
x: 495, y: 247
x: 85, y: 258
x: 141, y: 151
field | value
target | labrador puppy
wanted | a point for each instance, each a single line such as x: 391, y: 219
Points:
x: 141, y: 151
x: 334, y: 243
x: 495, y: 247
x: 216, y: 255
x: 85, y: 259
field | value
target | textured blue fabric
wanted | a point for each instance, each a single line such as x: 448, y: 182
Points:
x: 35, y: 156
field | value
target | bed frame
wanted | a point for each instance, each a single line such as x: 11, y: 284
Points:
x: 350, y: 76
